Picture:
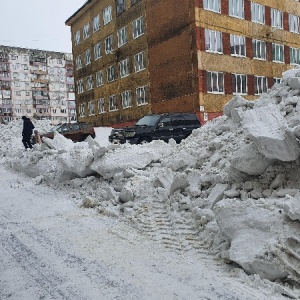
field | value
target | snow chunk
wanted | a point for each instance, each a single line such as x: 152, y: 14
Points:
x: 268, y: 129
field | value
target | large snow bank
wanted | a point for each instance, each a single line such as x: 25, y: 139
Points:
x: 232, y: 186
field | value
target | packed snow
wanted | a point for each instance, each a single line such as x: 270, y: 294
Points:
x: 232, y: 188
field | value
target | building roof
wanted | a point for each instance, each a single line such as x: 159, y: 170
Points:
x: 79, y: 12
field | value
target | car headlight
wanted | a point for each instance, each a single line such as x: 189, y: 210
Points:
x: 129, y: 133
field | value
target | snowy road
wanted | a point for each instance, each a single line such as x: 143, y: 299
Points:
x: 50, y: 248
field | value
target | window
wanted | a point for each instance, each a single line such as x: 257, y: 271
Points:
x: 215, y: 82
x: 141, y: 98
x: 276, y: 18
x: 81, y: 110
x: 108, y: 44
x: 261, y: 85
x: 213, y: 41
x: 277, y: 52
x: 122, y: 36
x: 89, y: 83
x: 97, y: 51
x: 259, y: 49
x: 213, y: 5
x: 239, y: 83
x: 277, y: 80
x: 91, y: 108
x: 78, y: 62
x: 236, y: 8
x: 99, y: 78
x: 112, y: 102
x: 107, y: 16
x: 86, y: 31
x: 111, y: 73
x: 80, y: 87
x: 126, y: 99
x: 257, y: 13
x: 124, y: 67
x: 120, y: 6
x: 294, y: 56
x: 77, y: 37
x: 138, y: 27
x: 293, y: 23
x: 87, y: 57
x: 101, y: 107
x: 96, y: 23
x: 237, y: 45
x: 139, y: 62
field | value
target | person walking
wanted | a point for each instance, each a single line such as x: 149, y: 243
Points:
x: 27, y: 132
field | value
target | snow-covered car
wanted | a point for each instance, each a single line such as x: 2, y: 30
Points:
x: 77, y: 132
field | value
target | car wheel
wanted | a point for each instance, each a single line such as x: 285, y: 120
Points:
x: 144, y: 140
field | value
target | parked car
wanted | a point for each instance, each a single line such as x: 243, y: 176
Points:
x: 157, y: 127
x: 77, y: 132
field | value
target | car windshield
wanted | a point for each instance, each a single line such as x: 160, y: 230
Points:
x: 55, y: 128
x: 147, y: 121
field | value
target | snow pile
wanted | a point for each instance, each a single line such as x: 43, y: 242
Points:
x: 233, y: 186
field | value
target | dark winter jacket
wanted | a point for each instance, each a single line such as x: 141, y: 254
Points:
x: 27, y: 127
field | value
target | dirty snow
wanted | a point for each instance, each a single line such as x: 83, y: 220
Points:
x: 232, y: 189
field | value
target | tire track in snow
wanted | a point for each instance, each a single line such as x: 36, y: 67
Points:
x: 42, y: 274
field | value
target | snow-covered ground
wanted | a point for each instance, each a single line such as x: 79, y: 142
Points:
x: 215, y: 217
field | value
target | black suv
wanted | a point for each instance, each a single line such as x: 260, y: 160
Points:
x: 157, y: 127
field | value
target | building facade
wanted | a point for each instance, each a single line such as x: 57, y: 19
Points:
x: 134, y: 57
x: 36, y: 83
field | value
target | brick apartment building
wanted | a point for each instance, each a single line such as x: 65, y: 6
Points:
x: 134, y: 57
x: 36, y: 83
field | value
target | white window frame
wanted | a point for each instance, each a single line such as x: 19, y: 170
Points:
x: 99, y: 78
x: 294, y: 56
x: 215, y: 82
x: 81, y: 110
x: 97, y: 51
x: 277, y: 80
x: 111, y: 73
x: 86, y: 31
x: 87, y: 57
x: 108, y: 42
x: 96, y: 23
x: 239, y: 83
x: 122, y: 36
x: 139, y: 62
x: 213, y: 41
x: 276, y: 18
x: 80, y: 86
x: 101, y: 106
x: 78, y: 62
x: 126, y: 99
x: 89, y: 83
x: 107, y: 15
x: 261, y: 85
x: 258, y: 13
x: 124, y: 68
x: 120, y: 6
x: 77, y: 38
x: 259, y: 49
x: 212, y: 5
x: 277, y: 52
x: 138, y: 27
x: 141, y: 96
x: 91, y: 108
x: 237, y: 45
x: 236, y: 9
x: 293, y: 23
x: 112, y: 100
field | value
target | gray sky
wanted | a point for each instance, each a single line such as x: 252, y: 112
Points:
x: 37, y: 24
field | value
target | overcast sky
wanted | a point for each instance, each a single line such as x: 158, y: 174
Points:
x: 37, y: 24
